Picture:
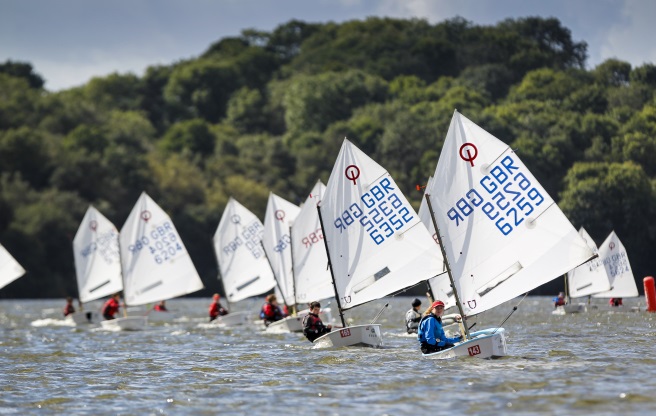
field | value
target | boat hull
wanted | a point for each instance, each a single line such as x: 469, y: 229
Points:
x: 569, y: 309
x: 233, y: 319
x: 286, y: 325
x: 128, y: 323
x: 352, y: 336
x: 488, y: 343
x: 85, y: 318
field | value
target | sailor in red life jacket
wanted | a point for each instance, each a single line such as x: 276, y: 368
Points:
x: 270, y: 311
x: 111, y: 307
x: 216, y: 309
x: 69, y: 308
x: 615, y: 302
x: 560, y: 300
x: 313, y: 327
x: 161, y: 307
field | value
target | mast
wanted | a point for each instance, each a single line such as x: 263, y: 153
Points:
x: 448, y: 267
x: 566, y: 290
x: 291, y: 254
x: 330, y: 264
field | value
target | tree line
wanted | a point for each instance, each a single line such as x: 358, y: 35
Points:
x: 267, y: 111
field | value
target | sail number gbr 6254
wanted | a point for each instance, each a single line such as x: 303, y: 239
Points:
x: 380, y: 210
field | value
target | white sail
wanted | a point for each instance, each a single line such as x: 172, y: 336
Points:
x: 503, y: 234
x: 588, y: 278
x: 156, y: 264
x: 10, y: 270
x: 280, y: 215
x: 97, y: 257
x: 440, y: 286
x: 376, y: 242
x: 244, y: 269
x: 616, y: 262
x: 311, y: 272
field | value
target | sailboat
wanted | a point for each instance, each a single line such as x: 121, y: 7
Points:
x: 375, y: 242
x: 97, y: 263
x: 10, y: 269
x: 501, y: 233
x: 244, y: 269
x: 278, y: 219
x: 616, y: 263
x: 585, y: 280
x: 155, y: 263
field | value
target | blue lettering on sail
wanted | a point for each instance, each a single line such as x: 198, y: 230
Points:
x: 381, y: 211
x: 507, y: 198
x: 163, y: 243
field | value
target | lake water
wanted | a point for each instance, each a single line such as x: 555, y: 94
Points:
x: 600, y: 363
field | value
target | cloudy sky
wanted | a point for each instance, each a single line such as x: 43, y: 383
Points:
x: 70, y: 41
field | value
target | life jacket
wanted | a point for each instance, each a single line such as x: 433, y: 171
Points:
x: 68, y: 309
x: 214, y: 309
x: 110, y: 308
x: 313, y: 327
x: 270, y: 312
x: 160, y: 308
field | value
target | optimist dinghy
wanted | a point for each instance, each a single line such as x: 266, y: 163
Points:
x: 375, y: 242
x: 500, y: 233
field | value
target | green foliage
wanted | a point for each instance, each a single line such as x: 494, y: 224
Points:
x: 22, y: 70
x: 268, y: 111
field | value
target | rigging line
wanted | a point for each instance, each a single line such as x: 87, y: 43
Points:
x: 510, y: 314
x: 378, y: 314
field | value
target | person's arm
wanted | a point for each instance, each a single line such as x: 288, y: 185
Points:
x: 443, y: 340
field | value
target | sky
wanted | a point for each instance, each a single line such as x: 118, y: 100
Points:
x: 68, y: 42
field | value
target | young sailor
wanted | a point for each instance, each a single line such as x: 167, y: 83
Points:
x: 110, y: 308
x: 313, y: 327
x: 161, y: 307
x: 412, y: 317
x: 431, y: 335
x: 69, y: 308
x: 560, y: 300
x: 270, y: 311
x: 216, y: 309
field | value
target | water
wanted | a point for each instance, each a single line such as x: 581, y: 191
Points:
x: 599, y: 362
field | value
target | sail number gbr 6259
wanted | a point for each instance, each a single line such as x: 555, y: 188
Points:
x: 380, y: 210
x: 508, y: 197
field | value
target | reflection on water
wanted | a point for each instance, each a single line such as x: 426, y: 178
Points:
x: 601, y: 362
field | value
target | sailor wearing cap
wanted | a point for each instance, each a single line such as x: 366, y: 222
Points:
x: 431, y: 334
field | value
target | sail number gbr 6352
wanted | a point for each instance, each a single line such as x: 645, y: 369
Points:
x: 508, y: 197
x: 380, y: 210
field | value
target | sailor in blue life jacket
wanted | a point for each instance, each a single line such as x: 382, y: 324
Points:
x: 431, y: 335
x: 412, y: 317
x: 560, y: 300
x: 313, y: 327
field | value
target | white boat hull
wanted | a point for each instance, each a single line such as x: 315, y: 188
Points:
x: 488, y: 343
x: 128, y: 323
x: 295, y: 323
x: 85, y: 318
x: 286, y: 325
x: 352, y: 336
x: 161, y: 316
x: 569, y: 309
x: 233, y: 319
